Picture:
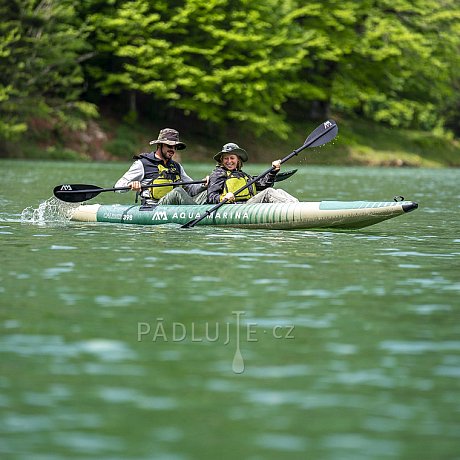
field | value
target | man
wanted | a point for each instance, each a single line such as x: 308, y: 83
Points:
x: 158, y: 167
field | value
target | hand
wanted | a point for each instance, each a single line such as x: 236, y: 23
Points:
x: 136, y: 186
x: 229, y: 197
x: 276, y: 165
x: 206, y: 179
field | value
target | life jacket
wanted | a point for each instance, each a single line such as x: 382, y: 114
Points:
x: 158, y: 173
x: 235, y: 180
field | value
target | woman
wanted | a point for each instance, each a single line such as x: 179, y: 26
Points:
x: 228, y: 177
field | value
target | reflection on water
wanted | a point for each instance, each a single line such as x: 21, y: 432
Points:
x: 120, y: 341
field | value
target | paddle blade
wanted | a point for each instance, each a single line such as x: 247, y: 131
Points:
x: 324, y: 133
x: 283, y: 175
x: 76, y: 193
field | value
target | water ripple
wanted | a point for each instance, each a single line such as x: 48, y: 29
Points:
x: 414, y: 347
x: 30, y: 345
x: 362, y: 447
x: 129, y: 395
x: 281, y: 442
x: 89, y: 443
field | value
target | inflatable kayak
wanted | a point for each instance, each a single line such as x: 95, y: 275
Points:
x: 304, y: 215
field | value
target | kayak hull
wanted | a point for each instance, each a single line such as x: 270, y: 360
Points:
x: 304, y: 215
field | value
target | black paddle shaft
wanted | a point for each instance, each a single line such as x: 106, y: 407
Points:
x: 76, y: 193
x: 316, y: 138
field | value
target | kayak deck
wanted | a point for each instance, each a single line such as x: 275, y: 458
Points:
x: 303, y: 215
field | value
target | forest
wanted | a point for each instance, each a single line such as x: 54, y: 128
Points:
x: 220, y: 66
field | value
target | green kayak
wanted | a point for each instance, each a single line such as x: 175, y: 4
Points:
x: 303, y: 215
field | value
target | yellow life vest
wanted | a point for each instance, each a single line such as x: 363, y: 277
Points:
x: 165, y: 176
x: 236, y: 180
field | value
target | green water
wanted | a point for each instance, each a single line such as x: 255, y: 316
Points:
x: 119, y: 342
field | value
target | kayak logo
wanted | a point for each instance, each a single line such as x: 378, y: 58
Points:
x: 214, y: 332
x: 327, y: 124
x: 66, y: 187
x: 159, y: 215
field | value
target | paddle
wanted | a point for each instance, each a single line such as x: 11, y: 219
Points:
x: 75, y: 193
x: 320, y: 136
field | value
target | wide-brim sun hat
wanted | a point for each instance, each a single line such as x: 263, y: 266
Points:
x: 169, y: 136
x: 232, y: 149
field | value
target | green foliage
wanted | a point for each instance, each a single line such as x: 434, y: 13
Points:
x: 61, y: 153
x: 389, y: 61
x: 125, y: 142
x: 246, y: 62
x: 216, y: 59
x: 398, y: 70
x: 230, y: 63
x: 31, y: 150
x: 41, y: 51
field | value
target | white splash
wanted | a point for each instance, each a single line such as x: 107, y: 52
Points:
x: 50, y: 211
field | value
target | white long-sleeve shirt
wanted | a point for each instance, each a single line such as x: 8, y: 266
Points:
x: 136, y: 173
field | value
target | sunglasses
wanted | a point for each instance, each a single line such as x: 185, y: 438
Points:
x: 172, y: 147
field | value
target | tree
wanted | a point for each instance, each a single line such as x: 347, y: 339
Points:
x: 220, y: 60
x: 40, y: 68
x: 227, y: 62
x: 387, y: 60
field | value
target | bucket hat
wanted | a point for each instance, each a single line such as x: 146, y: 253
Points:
x: 232, y: 148
x: 169, y: 136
